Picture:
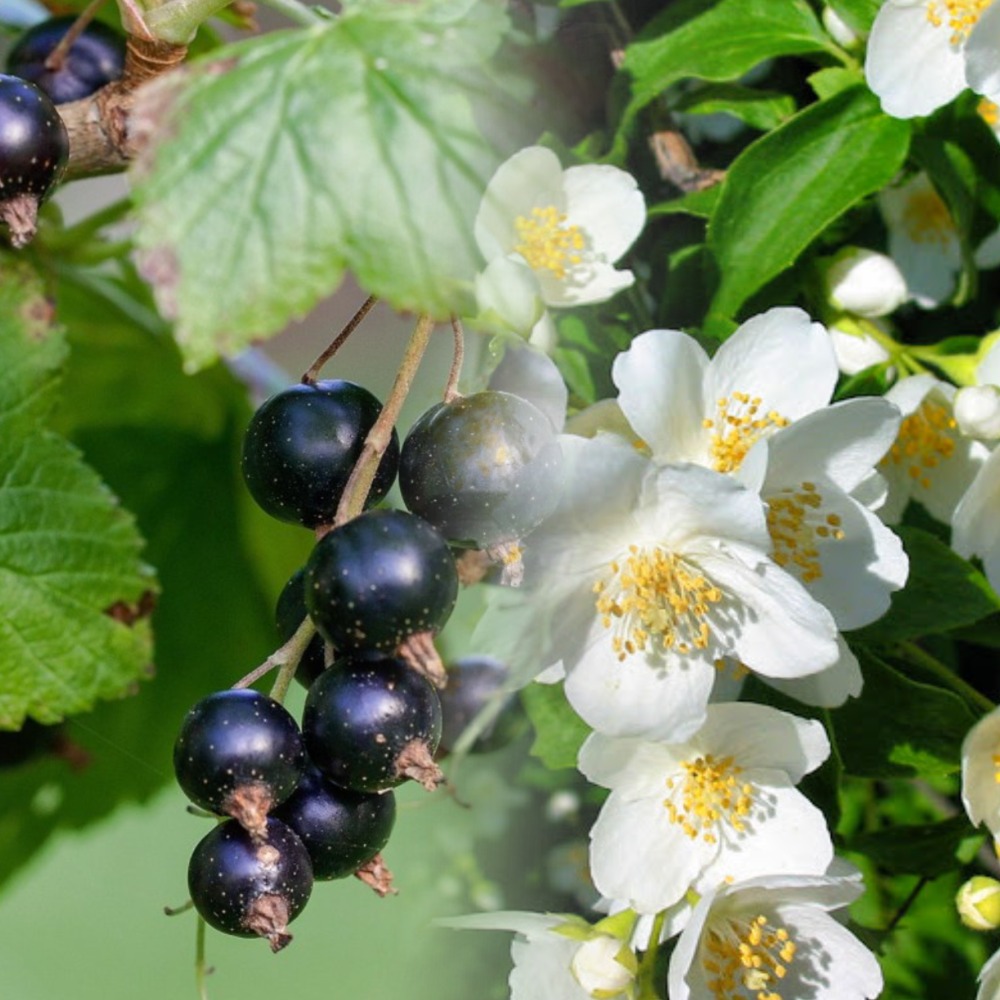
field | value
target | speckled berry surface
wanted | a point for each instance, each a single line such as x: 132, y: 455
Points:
x: 229, y: 872
x: 378, y: 579
x: 302, y: 444
x: 483, y: 469
x: 289, y: 614
x: 340, y: 828
x: 361, y: 716
x: 233, y: 739
x: 96, y: 57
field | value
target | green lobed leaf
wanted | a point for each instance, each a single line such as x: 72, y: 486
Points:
x: 559, y: 731
x: 919, y: 608
x: 73, y: 589
x: 169, y: 447
x: 283, y: 160
x: 899, y: 727
x: 717, y: 42
x: 785, y: 189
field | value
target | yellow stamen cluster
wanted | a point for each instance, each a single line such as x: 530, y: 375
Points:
x: 747, y: 958
x: 926, y: 439
x: 926, y: 218
x: 738, y: 425
x: 960, y: 16
x: 989, y: 112
x: 796, y: 523
x: 547, y: 243
x: 655, y: 597
x: 996, y: 767
x: 712, y: 794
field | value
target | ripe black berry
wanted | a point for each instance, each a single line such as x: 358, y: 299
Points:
x: 246, y: 886
x: 34, y: 147
x: 377, y: 580
x: 302, y: 444
x: 371, y: 724
x: 95, y: 58
x: 342, y: 830
x: 239, y: 753
x: 289, y: 615
x: 482, y: 469
x: 473, y: 683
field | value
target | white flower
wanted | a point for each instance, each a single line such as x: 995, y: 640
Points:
x: 864, y: 282
x: 855, y: 349
x: 773, y: 937
x: 561, y: 229
x: 686, y: 407
x: 719, y: 807
x: 562, y: 957
x: 923, y: 53
x: 981, y: 772
x: 930, y: 461
x: 649, y: 576
x: 977, y: 411
x: 989, y: 979
x: 975, y: 526
x: 923, y: 239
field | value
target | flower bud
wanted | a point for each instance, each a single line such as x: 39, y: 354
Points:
x: 977, y: 410
x: 840, y: 31
x: 596, y: 968
x: 978, y: 903
x: 854, y: 349
x: 865, y: 283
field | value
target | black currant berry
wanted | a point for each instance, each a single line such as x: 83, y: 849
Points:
x: 95, y: 58
x: 371, y: 724
x: 342, y: 830
x: 34, y: 147
x: 482, y: 469
x: 474, y: 682
x: 239, y: 753
x: 379, y: 579
x: 289, y: 615
x: 251, y: 887
x: 302, y: 444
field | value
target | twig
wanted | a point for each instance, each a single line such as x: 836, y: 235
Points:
x: 451, y: 386
x: 287, y: 655
x: 55, y: 59
x: 352, y: 324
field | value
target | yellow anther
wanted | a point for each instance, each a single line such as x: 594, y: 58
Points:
x: 547, y: 243
x: 746, y: 958
x: 795, y: 523
x: 926, y: 218
x: 926, y: 438
x: 959, y: 16
x: 709, y: 798
x: 737, y: 427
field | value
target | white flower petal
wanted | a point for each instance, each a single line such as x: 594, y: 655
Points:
x: 607, y: 205
x: 980, y: 788
x: 532, y: 375
x: 633, y: 766
x: 508, y: 290
x: 829, y: 688
x: 976, y: 525
x: 542, y: 970
x: 865, y: 283
x: 586, y: 285
x: 989, y: 979
x: 982, y: 54
x: 910, y: 63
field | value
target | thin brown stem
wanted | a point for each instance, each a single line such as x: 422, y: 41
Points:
x: 286, y: 656
x: 451, y: 386
x: 57, y: 57
x: 352, y: 501
x: 352, y: 324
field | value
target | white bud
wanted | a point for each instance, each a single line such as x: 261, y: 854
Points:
x: 840, y: 31
x: 856, y: 351
x: 596, y: 968
x: 865, y: 283
x: 977, y: 411
x: 978, y: 903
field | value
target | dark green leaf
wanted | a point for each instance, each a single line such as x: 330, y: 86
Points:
x: 785, y: 189
x: 559, y: 731
x: 760, y: 109
x: 927, y: 849
x: 698, y: 203
x: 920, y: 608
x: 284, y: 160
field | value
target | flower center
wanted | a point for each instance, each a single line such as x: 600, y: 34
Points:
x: 712, y: 794
x: 960, y: 16
x: 796, y: 525
x: 737, y: 426
x: 547, y: 243
x: 989, y: 112
x: 926, y: 218
x: 746, y: 959
x: 655, y: 596
x: 926, y: 438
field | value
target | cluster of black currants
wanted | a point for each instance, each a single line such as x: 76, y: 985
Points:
x: 317, y: 802
x: 34, y: 144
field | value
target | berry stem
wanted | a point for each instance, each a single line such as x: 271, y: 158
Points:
x: 352, y: 324
x: 362, y: 475
x: 287, y: 657
x: 451, y: 386
x: 201, y: 969
x: 55, y: 59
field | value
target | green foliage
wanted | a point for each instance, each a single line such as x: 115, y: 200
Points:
x: 282, y: 161
x: 928, y: 849
x: 559, y: 731
x: 760, y: 109
x: 74, y: 588
x: 784, y: 190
